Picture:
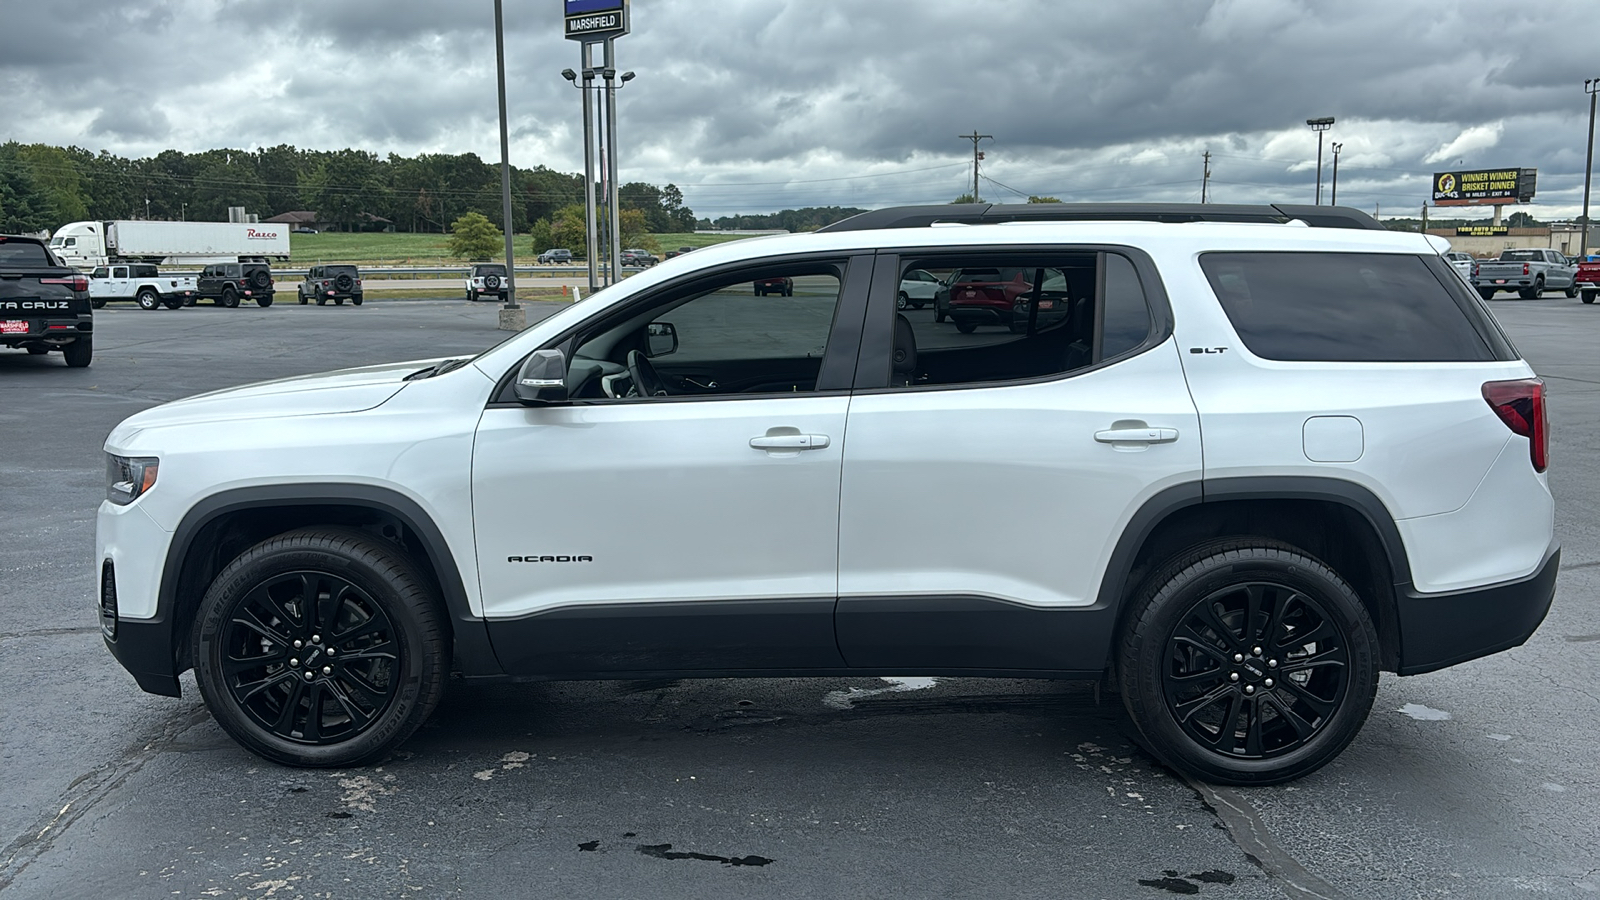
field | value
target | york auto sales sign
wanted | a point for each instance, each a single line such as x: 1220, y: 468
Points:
x: 595, y: 20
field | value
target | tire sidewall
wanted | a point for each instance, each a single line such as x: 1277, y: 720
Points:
x: 291, y: 553
x: 1169, y: 599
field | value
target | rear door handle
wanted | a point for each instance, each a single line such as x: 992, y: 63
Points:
x: 789, y: 442
x: 1137, y: 435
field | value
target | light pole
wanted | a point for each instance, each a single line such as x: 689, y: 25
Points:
x: 1590, y: 86
x: 591, y: 245
x: 512, y: 318
x: 1334, y: 199
x: 1319, y: 126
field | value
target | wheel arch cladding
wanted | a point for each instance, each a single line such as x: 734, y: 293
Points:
x: 218, y: 529
x: 1340, y: 523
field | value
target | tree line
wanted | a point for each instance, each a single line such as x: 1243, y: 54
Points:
x: 43, y: 187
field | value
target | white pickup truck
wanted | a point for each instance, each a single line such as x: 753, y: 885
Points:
x: 142, y: 283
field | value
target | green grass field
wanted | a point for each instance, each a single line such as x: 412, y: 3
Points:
x: 401, y: 249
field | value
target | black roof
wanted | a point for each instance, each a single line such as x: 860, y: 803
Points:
x: 991, y: 213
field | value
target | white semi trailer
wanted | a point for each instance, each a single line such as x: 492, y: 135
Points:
x: 90, y: 244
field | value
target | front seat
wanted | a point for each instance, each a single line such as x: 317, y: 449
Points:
x: 903, y: 357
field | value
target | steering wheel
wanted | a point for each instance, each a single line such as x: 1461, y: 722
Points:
x: 646, y: 382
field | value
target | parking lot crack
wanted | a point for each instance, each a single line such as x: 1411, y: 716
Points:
x: 1251, y: 835
x: 83, y: 794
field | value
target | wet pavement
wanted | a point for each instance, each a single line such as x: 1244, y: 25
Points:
x: 1477, y: 781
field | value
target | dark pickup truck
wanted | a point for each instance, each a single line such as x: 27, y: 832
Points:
x: 44, y: 305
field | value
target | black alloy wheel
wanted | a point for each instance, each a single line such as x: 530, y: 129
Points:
x: 1248, y: 663
x: 229, y: 298
x: 320, y: 647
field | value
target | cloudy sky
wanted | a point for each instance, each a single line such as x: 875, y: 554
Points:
x: 756, y: 105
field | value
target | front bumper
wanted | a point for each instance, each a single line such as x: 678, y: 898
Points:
x: 1440, y: 630
x: 137, y: 547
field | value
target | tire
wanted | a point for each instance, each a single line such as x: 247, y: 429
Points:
x: 303, y: 300
x: 79, y: 352
x: 900, y: 301
x: 472, y: 297
x: 322, y: 301
x: 1485, y: 293
x: 228, y: 298
x: 356, y: 300
x: 173, y: 304
x: 758, y: 292
x: 344, y: 714
x: 918, y: 304
x: 1571, y: 291
x: 491, y: 281
x: 147, y: 299
x: 788, y: 291
x: 1588, y: 296
x: 1232, y: 608
x: 344, y: 283
x: 259, y: 279
x: 97, y: 302
x: 1533, y: 292
x: 338, y: 301
x: 264, y: 301
x: 966, y: 327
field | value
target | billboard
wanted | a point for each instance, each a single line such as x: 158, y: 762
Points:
x: 1483, y: 187
x: 594, y: 20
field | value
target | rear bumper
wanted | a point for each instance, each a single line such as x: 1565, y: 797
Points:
x: 45, y: 328
x: 1440, y: 630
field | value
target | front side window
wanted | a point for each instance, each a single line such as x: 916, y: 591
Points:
x: 764, y: 331
x: 1003, y: 318
x: 101, y: 272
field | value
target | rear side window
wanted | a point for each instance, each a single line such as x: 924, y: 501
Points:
x: 23, y: 253
x: 1343, y: 307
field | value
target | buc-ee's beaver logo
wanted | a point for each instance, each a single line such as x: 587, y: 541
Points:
x: 1447, y: 183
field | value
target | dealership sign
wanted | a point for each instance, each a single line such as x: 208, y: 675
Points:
x: 1483, y: 187
x: 1482, y: 230
x: 595, y: 20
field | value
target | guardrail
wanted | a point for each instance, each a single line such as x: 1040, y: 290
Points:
x: 403, y: 272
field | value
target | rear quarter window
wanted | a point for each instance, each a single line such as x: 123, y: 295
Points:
x: 23, y: 253
x: 1346, y: 307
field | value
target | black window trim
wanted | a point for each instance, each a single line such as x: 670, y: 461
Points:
x: 878, y: 332
x: 1495, y: 341
x: 839, y: 358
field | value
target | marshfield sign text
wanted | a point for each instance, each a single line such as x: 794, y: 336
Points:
x: 595, y: 20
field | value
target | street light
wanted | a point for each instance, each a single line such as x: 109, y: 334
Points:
x: 1590, y: 86
x: 1319, y: 126
x: 591, y: 248
x: 512, y: 318
x: 608, y: 115
x: 1334, y: 200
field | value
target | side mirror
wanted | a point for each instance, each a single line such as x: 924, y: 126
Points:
x: 660, y: 339
x: 543, y: 379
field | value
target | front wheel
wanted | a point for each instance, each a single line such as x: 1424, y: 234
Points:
x: 147, y: 299
x: 1571, y: 291
x: 900, y: 302
x: 1247, y: 662
x: 303, y: 300
x: 320, y: 647
x: 97, y: 302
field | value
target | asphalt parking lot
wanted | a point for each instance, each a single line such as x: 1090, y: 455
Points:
x: 1476, y: 781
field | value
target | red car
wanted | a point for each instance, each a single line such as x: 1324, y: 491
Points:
x: 1588, y: 280
x: 782, y: 285
x: 976, y: 297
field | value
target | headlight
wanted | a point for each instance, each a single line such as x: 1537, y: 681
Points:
x: 129, y: 477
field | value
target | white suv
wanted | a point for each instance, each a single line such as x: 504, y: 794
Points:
x: 1235, y: 462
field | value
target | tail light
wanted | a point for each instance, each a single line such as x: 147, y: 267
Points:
x: 1524, y: 268
x: 1520, y: 404
x: 77, y: 282
x: 1474, y: 270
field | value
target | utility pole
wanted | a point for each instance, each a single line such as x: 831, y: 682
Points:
x: 975, y: 137
x: 1334, y: 200
x: 1319, y: 126
x: 1590, y: 86
x: 1205, y: 180
x: 613, y: 206
x: 1424, y: 228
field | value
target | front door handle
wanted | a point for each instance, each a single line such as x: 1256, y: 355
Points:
x: 789, y: 442
x: 1137, y: 435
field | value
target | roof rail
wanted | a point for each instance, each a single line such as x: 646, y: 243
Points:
x: 988, y: 214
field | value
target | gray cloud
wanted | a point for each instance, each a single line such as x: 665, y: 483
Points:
x: 754, y: 104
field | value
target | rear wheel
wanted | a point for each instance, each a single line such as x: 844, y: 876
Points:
x: 172, y: 304
x: 1247, y: 662
x: 79, y: 352
x: 147, y: 299
x: 1485, y: 293
x: 1533, y: 292
x: 264, y: 300
x: 1588, y: 296
x: 229, y: 298
x: 320, y: 647
x: 356, y: 300
x: 966, y: 327
x: 97, y: 302
x: 338, y: 301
